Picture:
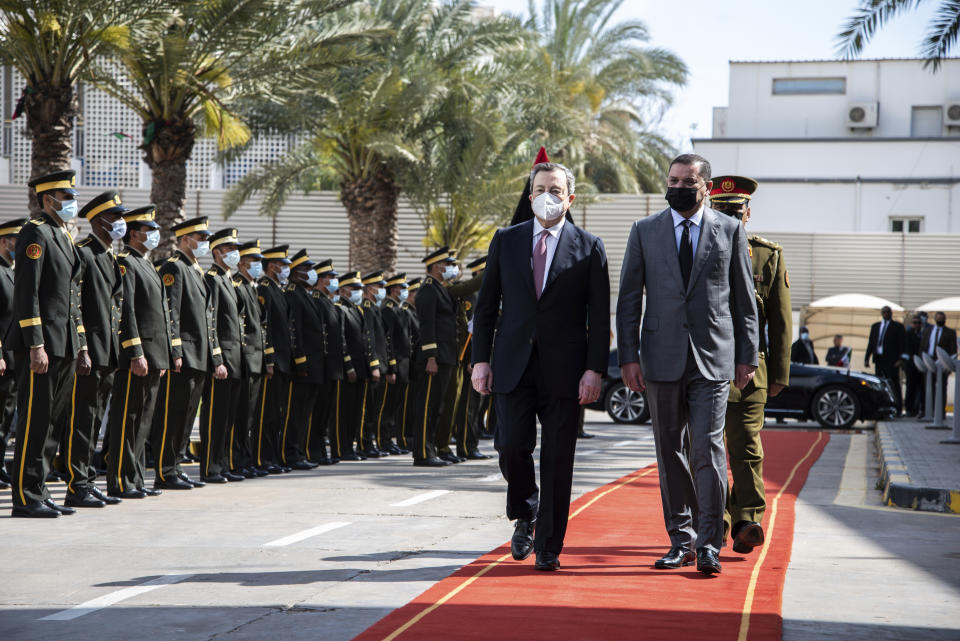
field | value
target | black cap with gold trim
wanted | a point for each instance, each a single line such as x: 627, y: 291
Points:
x: 278, y: 253
x: 108, y: 201
x: 442, y: 254
x: 57, y: 181
x: 198, y: 225
x: 374, y: 278
x: 477, y: 265
x: 12, y: 227
x: 732, y: 189
x: 142, y: 217
x: 250, y: 249
x: 414, y: 284
x: 350, y: 279
x: 226, y: 236
x: 397, y: 280
x: 301, y: 259
x: 325, y: 268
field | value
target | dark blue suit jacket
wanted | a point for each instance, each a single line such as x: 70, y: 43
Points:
x: 570, y: 323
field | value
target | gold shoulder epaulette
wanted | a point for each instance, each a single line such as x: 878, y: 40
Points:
x: 427, y: 280
x: 173, y: 259
x: 212, y: 272
x: 291, y: 287
x: 83, y: 243
x: 390, y: 303
x: 760, y: 240
x: 367, y: 303
x: 236, y: 283
x: 123, y: 254
x: 38, y: 221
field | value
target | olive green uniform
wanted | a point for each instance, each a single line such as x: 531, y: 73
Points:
x: 745, y: 499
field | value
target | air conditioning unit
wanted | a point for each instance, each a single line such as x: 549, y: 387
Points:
x: 862, y: 115
x: 951, y: 113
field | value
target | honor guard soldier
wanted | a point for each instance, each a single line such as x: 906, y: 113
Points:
x: 381, y: 364
x: 745, y: 499
x: 396, y: 323
x: 350, y: 394
x: 45, y: 336
x: 272, y: 407
x: 8, y: 379
x: 468, y: 417
x: 257, y: 361
x: 436, y: 311
x: 409, y: 307
x: 335, y: 348
x: 145, y: 356
x: 307, y: 347
x: 223, y: 388
x: 193, y: 338
x: 101, y: 300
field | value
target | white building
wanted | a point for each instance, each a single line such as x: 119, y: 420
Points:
x: 843, y: 146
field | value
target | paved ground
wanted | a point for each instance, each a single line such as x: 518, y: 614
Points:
x: 929, y: 462
x: 324, y: 554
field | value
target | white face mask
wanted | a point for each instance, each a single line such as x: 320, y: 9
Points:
x: 153, y: 239
x: 450, y: 272
x: 68, y: 210
x: 284, y: 274
x: 118, y: 229
x: 381, y: 294
x: 232, y: 258
x: 547, y: 206
x: 255, y: 270
x: 336, y: 298
x: 356, y: 296
x: 311, y: 278
x: 404, y: 294
x: 202, y: 249
x: 333, y: 285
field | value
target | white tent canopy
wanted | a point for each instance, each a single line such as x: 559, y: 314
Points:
x: 856, y: 301
x: 850, y: 315
x: 951, y: 304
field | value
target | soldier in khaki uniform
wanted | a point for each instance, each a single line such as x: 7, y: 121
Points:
x: 745, y: 500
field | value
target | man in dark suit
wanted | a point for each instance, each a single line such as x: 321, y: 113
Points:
x: 839, y: 355
x: 8, y: 379
x: 350, y: 389
x: 700, y: 331
x: 334, y: 351
x: 939, y: 335
x: 886, y: 345
x: 913, y: 398
x: 552, y: 345
x: 382, y: 365
x: 396, y: 323
x: 802, y: 349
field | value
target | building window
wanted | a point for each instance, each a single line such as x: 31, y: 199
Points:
x: 906, y: 225
x: 793, y: 86
x: 926, y: 122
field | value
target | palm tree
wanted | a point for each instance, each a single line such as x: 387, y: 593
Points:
x: 187, y: 76
x: 871, y: 15
x: 373, y: 122
x: 50, y: 43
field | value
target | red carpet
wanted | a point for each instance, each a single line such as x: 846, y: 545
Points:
x: 607, y: 588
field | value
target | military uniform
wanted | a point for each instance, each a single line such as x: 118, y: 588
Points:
x: 101, y: 298
x: 347, y: 413
x: 46, y: 313
x: 744, y: 420
x: 406, y: 413
x: 144, y: 332
x: 335, y: 347
x: 396, y: 324
x: 438, y: 335
x: 468, y: 416
x: 380, y: 359
x: 8, y: 382
x: 193, y: 334
x: 220, y: 396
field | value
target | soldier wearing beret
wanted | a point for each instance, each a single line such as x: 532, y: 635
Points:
x: 335, y: 348
x: 381, y: 365
x: 745, y: 499
x: 8, y: 379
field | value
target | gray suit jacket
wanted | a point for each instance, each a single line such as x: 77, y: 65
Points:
x: 716, y: 314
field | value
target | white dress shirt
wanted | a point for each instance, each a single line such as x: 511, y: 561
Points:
x: 881, y: 335
x: 553, y: 237
x: 934, y: 340
x: 696, y: 219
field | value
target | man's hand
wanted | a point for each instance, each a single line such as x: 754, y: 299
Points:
x: 3, y: 366
x: 632, y: 377
x: 482, y: 378
x: 269, y: 372
x: 162, y: 373
x: 589, y: 387
x: 138, y: 366
x: 84, y: 364
x: 352, y: 375
x: 432, y: 367
x: 177, y: 364
x: 392, y: 379
x: 774, y: 389
x: 38, y: 360
x: 866, y: 362
x: 375, y: 375
x: 220, y: 372
x: 744, y: 375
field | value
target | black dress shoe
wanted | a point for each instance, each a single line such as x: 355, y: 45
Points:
x: 248, y: 473
x: 371, y: 452
x: 233, y: 478
x: 547, y: 561
x: 286, y: 469
x: 477, y: 455
x: 4, y: 475
x: 323, y: 460
x: 109, y: 500
x: 83, y: 498
x: 4, y: 485
x: 173, y: 483
x: 585, y: 435
x: 521, y: 543
x: 433, y: 461
x: 191, y: 481
x: 259, y: 472
x: 62, y: 509
x: 34, y: 511
x: 486, y: 435
x: 396, y: 450
x: 746, y: 536
x: 302, y: 465
x: 707, y: 561
x: 334, y: 460
x: 352, y: 456
x: 216, y: 478
x: 272, y: 469
x: 677, y: 557
x: 450, y: 457
x: 149, y: 492
x: 127, y: 494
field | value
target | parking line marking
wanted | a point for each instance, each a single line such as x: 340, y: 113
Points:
x: 114, y: 597
x: 420, y: 498
x: 306, y: 534
x: 622, y: 443
x: 493, y: 477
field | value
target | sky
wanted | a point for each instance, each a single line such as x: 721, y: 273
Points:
x: 707, y: 35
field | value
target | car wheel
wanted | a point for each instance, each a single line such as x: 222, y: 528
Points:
x: 624, y: 405
x: 835, y: 407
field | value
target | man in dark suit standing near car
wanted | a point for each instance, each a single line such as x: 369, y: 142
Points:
x: 552, y: 344
x: 887, y: 346
x: 939, y: 335
x: 700, y: 332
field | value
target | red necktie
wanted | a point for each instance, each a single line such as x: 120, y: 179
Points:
x: 540, y: 261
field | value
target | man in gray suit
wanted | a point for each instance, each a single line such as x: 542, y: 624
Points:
x: 699, y: 332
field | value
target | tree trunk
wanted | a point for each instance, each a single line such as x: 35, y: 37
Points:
x: 50, y: 115
x: 386, y: 193
x: 355, y: 194
x: 166, y: 153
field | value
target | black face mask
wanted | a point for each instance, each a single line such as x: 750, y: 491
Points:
x: 682, y: 198
x: 941, y: 323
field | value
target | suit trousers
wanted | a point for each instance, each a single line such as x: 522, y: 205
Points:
x: 405, y: 437
x: 913, y: 399
x: 239, y: 444
x: 216, y: 417
x: 36, y: 438
x: 346, y: 417
x: 427, y: 407
x: 321, y: 420
x: 177, y: 406
x: 271, y: 413
x: 78, y: 417
x: 467, y: 433
x: 131, y: 418
x: 8, y: 408
x: 390, y: 421
x: 374, y: 396
x: 688, y: 417
x: 446, y: 424
x: 746, y: 498
x: 293, y: 441
x: 891, y: 373
x: 516, y: 439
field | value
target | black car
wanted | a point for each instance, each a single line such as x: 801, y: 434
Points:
x: 834, y: 397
